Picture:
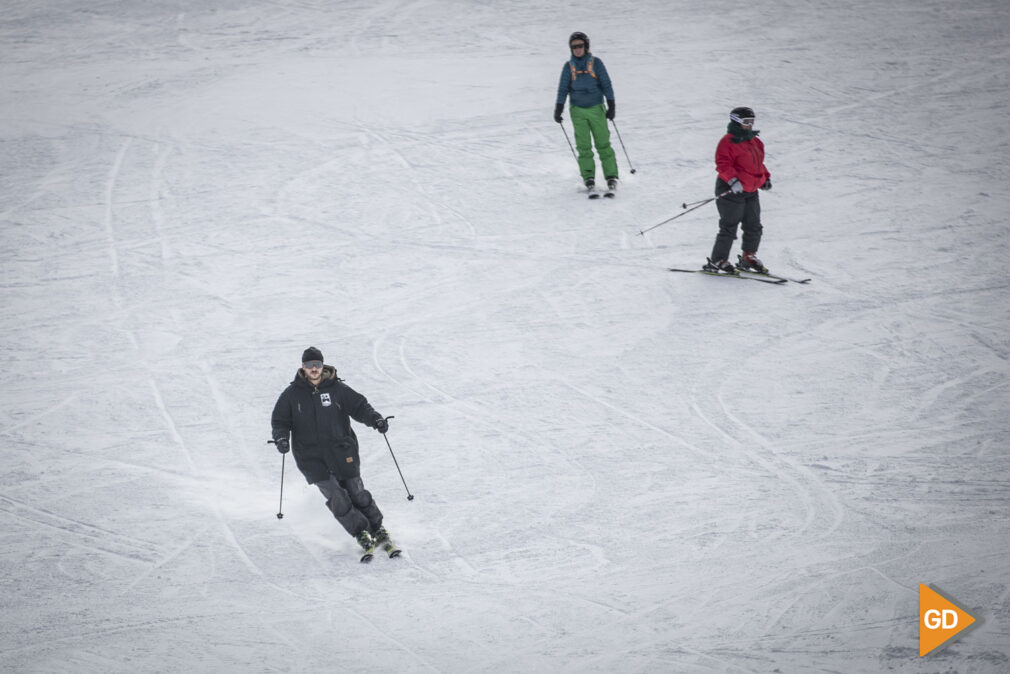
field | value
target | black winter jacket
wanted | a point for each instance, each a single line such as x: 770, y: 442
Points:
x: 318, y: 419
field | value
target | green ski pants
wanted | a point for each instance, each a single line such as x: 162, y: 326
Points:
x: 590, y: 125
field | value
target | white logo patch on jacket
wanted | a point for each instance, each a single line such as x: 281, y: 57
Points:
x: 324, y: 398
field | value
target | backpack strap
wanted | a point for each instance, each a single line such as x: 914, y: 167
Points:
x: 587, y: 71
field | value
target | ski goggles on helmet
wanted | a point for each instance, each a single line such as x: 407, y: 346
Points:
x: 313, y: 365
x: 578, y: 45
x: 743, y: 121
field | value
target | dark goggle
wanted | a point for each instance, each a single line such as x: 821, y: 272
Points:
x: 578, y: 45
x: 313, y: 365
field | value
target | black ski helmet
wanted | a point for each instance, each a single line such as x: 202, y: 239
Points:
x: 578, y: 35
x: 736, y: 114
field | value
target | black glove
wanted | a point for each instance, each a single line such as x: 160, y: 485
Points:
x: 558, y: 109
x: 283, y: 446
x: 768, y: 185
x: 381, y: 424
x: 611, y: 109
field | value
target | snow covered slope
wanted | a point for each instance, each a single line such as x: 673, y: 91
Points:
x: 616, y: 468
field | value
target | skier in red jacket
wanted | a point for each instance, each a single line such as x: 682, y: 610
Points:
x: 739, y: 161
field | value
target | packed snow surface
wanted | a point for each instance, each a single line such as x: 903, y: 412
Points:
x: 616, y: 468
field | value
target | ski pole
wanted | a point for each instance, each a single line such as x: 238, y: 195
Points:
x: 565, y: 131
x: 719, y: 196
x: 280, y: 508
x: 280, y: 503
x: 410, y: 497
x: 614, y: 122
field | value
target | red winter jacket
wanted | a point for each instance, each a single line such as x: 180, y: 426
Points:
x: 743, y: 160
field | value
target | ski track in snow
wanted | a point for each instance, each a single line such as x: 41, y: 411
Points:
x: 614, y: 470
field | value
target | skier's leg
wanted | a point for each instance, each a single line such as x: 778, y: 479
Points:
x: 363, y: 502
x: 731, y: 211
x: 601, y: 136
x: 751, y: 224
x: 583, y: 141
x: 340, y: 504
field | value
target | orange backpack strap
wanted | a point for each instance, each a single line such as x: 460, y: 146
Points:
x: 587, y: 71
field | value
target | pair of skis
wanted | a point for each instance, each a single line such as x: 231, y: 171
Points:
x: 763, y: 277
x: 387, y: 546
x: 593, y: 193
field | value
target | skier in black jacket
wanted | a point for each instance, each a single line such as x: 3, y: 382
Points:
x: 316, y: 409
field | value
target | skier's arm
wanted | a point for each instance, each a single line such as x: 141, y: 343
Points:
x: 280, y: 420
x: 358, y: 408
x: 564, y: 84
x: 605, y: 83
x: 724, y: 164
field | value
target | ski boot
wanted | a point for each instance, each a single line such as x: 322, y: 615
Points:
x: 750, y: 262
x: 382, y: 539
x: 718, y: 267
x: 367, y: 544
x: 379, y: 535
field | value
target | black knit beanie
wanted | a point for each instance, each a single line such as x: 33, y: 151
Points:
x: 311, y: 353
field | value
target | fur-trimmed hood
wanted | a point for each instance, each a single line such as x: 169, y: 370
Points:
x: 329, y: 376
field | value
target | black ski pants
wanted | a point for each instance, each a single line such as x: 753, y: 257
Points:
x: 351, y: 504
x: 737, y: 209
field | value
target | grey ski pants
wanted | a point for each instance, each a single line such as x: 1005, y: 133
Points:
x: 737, y: 209
x: 351, y: 504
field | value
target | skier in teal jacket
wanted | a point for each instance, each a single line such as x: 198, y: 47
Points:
x: 584, y: 78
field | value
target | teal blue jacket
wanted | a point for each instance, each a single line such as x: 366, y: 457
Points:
x: 585, y: 90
